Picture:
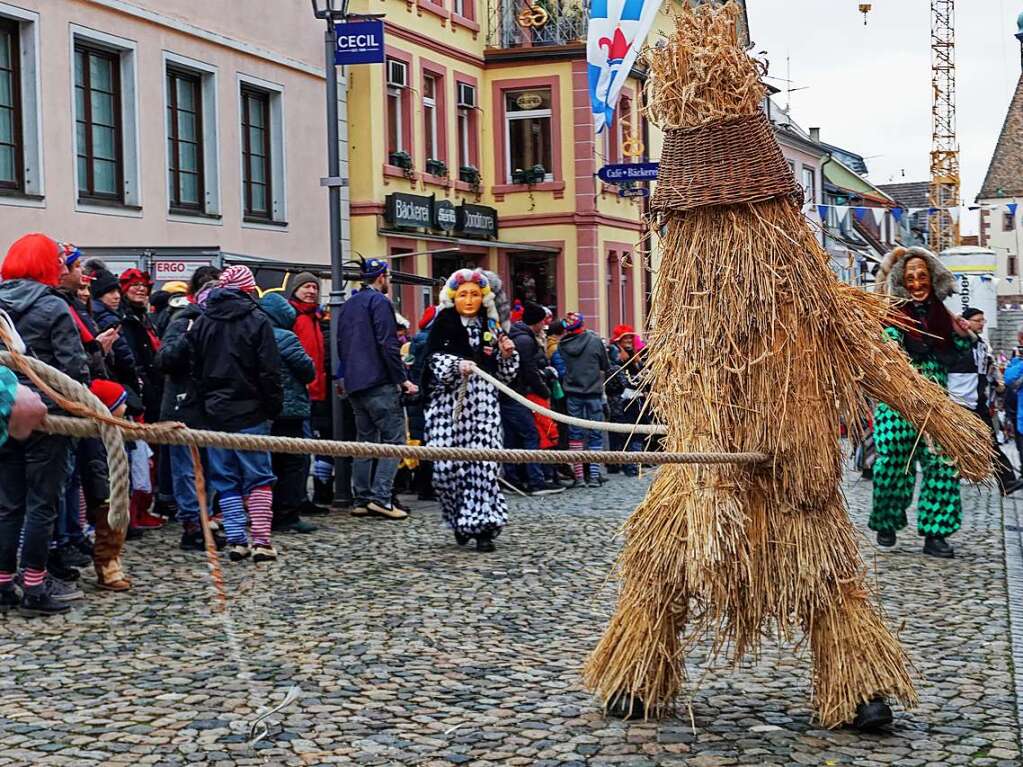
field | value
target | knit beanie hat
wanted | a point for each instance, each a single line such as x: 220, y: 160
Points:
x: 111, y: 394
x: 533, y: 313
x: 103, y: 282
x: 429, y: 315
x: 303, y: 278
x: 238, y: 277
x: 71, y: 253
x: 574, y: 322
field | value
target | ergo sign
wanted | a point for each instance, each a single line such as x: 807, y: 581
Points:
x: 359, y: 42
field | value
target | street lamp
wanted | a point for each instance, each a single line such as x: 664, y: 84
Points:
x: 332, y: 11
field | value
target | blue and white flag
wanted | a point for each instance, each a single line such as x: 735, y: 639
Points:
x: 616, y: 32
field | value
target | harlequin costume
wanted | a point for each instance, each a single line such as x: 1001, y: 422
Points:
x: 469, y: 494
x: 931, y: 344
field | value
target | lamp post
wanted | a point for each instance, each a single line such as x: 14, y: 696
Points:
x: 332, y: 11
x: 1019, y: 35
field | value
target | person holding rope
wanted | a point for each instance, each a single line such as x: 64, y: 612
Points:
x: 463, y: 410
x: 34, y: 468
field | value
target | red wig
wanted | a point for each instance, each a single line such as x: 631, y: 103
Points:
x: 33, y: 257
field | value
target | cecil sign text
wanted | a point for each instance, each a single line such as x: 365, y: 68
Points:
x: 359, y: 42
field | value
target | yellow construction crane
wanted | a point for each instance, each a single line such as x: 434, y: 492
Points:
x: 944, y: 190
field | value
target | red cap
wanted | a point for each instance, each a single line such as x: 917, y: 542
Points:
x: 429, y: 315
x: 620, y: 331
x: 131, y: 277
x: 110, y: 393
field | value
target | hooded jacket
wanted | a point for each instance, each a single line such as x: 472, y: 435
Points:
x: 236, y: 367
x: 586, y: 364
x: 43, y: 319
x: 140, y: 336
x: 297, y: 368
x: 532, y: 362
x: 174, y: 360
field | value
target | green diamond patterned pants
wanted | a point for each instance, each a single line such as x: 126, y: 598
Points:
x: 939, y: 507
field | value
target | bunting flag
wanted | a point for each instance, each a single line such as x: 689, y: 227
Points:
x: 954, y: 213
x: 878, y: 216
x: 822, y: 211
x: 897, y: 214
x: 859, y: 213
x: 615, y: 33
x: 1012, y: 208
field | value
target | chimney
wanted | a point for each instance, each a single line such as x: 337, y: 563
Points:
x: 815, y: 135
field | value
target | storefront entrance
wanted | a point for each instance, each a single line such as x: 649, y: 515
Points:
x: 534, y: 278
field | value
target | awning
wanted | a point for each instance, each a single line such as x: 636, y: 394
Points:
x: 522, y: 247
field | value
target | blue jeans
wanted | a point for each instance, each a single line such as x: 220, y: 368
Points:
x: 378, y: 418
x: 589, y: 409
x: 239, y: 472
x: 183, y: 476
x: 520, y: 433
x: 68, y: 528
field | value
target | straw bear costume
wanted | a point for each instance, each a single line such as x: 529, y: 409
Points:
x: 939, y: 508
x: 470, y: 497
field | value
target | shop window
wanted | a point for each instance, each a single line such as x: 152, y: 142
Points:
x: 1012, y: 266
x: 98, y: 123
x: 464, y: 8
x: 185, y: 177
x: 430, y: 116
x: 1008, y: 221
x: 528, y: 135
x: 401, y: 295
x: 11, y: 149
x: 534, y: 278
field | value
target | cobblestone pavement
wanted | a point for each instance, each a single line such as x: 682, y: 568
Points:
x: 410, y: 651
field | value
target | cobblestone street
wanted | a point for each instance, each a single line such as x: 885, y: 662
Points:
x: 410, y: 651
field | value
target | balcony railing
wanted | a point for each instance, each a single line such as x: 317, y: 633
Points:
x: 535, y: 23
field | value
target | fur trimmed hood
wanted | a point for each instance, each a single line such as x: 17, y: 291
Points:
x: 891, y: 275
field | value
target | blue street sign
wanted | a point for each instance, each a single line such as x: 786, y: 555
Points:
x: 359, y: 42
x: 636, y: 191
x: 635, y: 171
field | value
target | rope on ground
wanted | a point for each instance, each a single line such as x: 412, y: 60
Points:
x: 617, y: 428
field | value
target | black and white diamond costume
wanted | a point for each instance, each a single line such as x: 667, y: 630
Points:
x: 470, y: 497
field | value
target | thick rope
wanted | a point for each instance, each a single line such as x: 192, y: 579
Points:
x: 617, y: 428
x: 70, y: 395
x: 174, y: 434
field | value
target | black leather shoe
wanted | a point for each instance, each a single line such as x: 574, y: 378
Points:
x: 461, y: 538
x: 937, y: 546
x: 886, y: 538
x: 626, y: 706
x: 873, y: 716
x: 485, y: 543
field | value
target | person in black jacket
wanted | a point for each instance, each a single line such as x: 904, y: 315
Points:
x: 236, y: 369
x: 33, y: 470
x: 519, y: 427
x: 181, y: 403
x: 106, y: 312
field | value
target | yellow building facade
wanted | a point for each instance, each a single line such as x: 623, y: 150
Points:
x: 473, y: 145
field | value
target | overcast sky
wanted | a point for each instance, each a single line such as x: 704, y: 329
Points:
x: 869, y: 88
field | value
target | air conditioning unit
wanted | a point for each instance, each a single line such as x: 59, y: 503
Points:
x: 397, y: 74
x: 466, y: 96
